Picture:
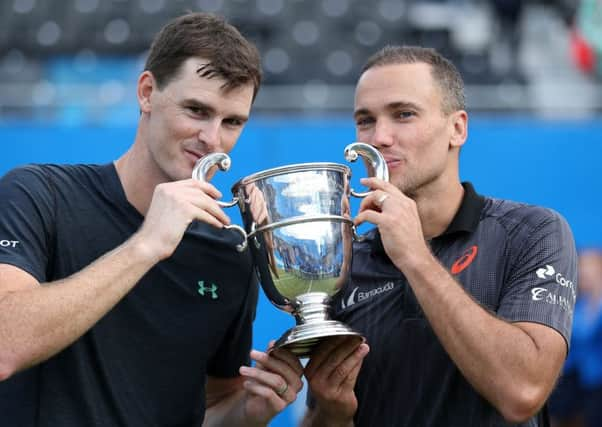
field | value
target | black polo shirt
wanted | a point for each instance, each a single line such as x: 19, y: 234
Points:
x: 145, y: 363
x: 518, y: 261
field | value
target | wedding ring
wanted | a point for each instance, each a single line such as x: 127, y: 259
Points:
x: 379, y: 202
x: 282, y: 390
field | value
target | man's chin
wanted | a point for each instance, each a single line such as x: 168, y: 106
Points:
x: 406, y: 188
x: 182, y: 174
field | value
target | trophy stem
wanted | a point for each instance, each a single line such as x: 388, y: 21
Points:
x: 313, y: 325
x: 312, y: 308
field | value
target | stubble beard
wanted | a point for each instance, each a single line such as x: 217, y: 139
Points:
x: 413, y: 186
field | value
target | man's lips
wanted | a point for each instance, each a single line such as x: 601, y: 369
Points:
x: 391, y: 162
x: 195, y: 155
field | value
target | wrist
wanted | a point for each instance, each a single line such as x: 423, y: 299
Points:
x: 415, y: 260
x: 246, y: 420
x: 142, y: 249
x: 325, y: 418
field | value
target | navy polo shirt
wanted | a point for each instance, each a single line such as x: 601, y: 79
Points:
x: 145, y: 363
x: 518, y: 261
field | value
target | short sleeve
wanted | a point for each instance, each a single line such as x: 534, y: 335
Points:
x: 26, y: 220
x: 236, y: 345
x: 541, y: 285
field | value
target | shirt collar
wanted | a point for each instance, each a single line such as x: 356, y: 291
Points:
x: 466, y: 219
x: 468, y: 215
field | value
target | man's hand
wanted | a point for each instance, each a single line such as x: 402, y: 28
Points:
x: 331, y: 374
x: 258, y: 394
x: 173, y: 207
x: 271, y: 385
x: 397, y: 219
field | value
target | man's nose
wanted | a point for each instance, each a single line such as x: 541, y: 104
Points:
x: 382, y: 135
x: 210, y: 134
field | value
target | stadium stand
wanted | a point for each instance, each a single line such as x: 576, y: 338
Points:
x: 52, y: 51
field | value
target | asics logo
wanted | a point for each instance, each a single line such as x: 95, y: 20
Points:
x: 465, y: 260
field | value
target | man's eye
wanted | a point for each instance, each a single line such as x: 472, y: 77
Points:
x: 233, y: 122
x: 197, y: 111
x: 363, y: 121
x: 405, y: 114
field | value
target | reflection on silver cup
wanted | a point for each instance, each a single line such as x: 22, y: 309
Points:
x: 298, y: 226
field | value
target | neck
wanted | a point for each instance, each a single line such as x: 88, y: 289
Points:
x: 438, y: 208
x: 137, y: 175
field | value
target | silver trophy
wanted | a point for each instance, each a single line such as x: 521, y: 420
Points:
x: 298, y: 226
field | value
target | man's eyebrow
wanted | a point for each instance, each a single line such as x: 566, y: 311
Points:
x: 198, y: 104
x: 389, y: 107
x: 191, y: 102
x: 361, y: 112
x: 402, y: 104
x: 238, y: 117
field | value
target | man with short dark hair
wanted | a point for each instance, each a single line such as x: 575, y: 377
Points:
x: 124, y: 301
x: 466, y: 301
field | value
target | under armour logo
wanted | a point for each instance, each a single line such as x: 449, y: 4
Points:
x: 203, y: 289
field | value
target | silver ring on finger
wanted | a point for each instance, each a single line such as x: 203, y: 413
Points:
x: 282, y: 390
x: 379, y: 202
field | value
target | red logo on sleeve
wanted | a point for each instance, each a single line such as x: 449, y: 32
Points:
x: 465, y: 260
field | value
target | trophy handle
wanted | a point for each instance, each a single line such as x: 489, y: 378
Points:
x: 374, y: 161
x: 200, y: 171
x: 357, y: 237
x: 203, y: 165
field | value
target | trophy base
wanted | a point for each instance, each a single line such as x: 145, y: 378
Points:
x: 302, y: 339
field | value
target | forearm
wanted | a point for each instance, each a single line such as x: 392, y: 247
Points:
x: 500, y: 360
x: 315, y: 418
x: 38, y: 322
x: 229, y: 411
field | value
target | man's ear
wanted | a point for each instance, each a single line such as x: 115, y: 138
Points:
x: 146, y: 85
x: 459, y: 123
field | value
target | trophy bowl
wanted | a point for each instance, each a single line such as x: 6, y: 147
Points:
x: 298, y: 227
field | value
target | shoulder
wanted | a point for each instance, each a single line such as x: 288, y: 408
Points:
x: 530, y: 236
x: 27, y: 179
x: 26, y: 171
x: 57, y: 175
x: 47, y: 171
x: 522, y: 220
x: 37, y: 184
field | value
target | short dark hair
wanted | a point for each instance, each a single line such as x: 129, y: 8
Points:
x: 231, y: 56
x: 443, y: 71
